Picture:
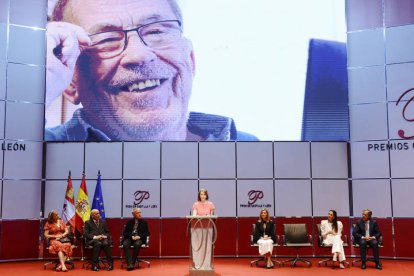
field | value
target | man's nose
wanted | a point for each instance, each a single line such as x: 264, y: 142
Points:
x: 136, y: 52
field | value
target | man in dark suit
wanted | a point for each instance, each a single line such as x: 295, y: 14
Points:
x: 366, y: 232
x: 97, y: 234
x: 135, y: 234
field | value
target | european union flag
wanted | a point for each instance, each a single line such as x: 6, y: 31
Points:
x: 98, y: 202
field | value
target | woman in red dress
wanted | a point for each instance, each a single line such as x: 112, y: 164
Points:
x: 55, y: 229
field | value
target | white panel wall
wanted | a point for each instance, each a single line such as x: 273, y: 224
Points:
x: 217, y: 160
x: 292, y: 160
x: 254, y: 160
x: 374, y: 194
x: 366, y: 48
x: 179, y: 160
x: 22, y: 200
x: 142, y: 160
x: 370, y: 160
x: 329, y: 160
x: 293, y: 198
x: 177, y: 197
x: 106, y: 157
x: 330, y: 194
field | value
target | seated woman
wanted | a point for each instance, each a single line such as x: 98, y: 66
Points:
x: 264, y: 236
x: 331, y: 230
x: 203, y: 207
x: 55, y: 230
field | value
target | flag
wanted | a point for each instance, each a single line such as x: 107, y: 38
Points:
x: 68, y: 212
x: 83, y: 209
x: 98, y: 202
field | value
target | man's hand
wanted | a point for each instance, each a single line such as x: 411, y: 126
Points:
x: 135, y: 238
x: 64, y: 45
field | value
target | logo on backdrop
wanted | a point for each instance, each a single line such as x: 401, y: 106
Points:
x: 139, y: 200
x: 254, y: 196
x: 253, y: 200
x: 141, y: 196
x: 401, y: 132
x: 406, y: 100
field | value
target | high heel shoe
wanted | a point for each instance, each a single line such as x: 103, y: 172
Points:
x: 341, y: 266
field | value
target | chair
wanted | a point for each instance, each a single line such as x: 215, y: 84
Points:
x: 102, y: 261
x: 356, y: 245
x: 322, y: 245
x: 295, y: 235
x: 253, y: 244
x: 144, y: 245
x: 55, y: 262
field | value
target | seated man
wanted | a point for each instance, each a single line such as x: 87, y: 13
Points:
x: 97, y: 234
x: 366, y: 232
x: 135, y: 234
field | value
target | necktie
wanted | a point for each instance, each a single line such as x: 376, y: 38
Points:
x: 135, y: 229
x: 367, y: 229
x: 97, y: 223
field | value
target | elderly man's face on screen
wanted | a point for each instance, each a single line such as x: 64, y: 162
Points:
x: 135, y: 80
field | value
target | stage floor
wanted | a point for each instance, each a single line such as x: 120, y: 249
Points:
x: 223, y: 266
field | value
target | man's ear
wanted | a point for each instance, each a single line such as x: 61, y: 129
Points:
x: 71, y: 93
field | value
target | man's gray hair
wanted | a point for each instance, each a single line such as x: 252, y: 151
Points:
x: 136, y: 210
x: 368, y: 211
x: 60, y: 6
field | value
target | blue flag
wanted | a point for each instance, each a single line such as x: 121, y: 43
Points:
x: 98, y: 202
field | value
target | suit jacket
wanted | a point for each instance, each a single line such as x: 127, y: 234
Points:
x: 359, y: 230
x: 91, y: 229
x: 142, y: 230
x: 260, y: 231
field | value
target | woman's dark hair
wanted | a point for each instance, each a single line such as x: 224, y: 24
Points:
x: 202, y: 191
x: 334, y: 221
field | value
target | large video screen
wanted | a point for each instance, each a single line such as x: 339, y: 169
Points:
x: 212, y: 70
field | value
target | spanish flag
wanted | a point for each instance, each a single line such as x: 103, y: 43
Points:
x: 83, y: 209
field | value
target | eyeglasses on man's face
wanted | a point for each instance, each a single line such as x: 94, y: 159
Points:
x: 155, y: 35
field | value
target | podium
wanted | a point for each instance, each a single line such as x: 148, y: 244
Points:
x: 203, y: 234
